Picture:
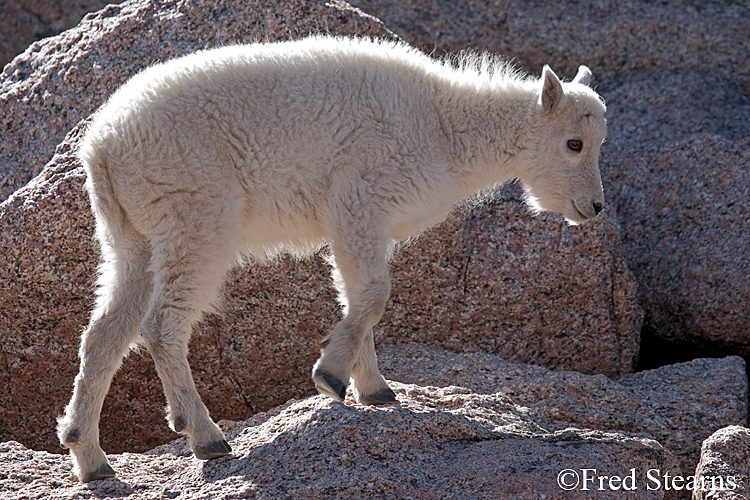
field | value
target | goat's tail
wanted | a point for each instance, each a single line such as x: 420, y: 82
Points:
x: 123, y: 249
x: 113, y: 228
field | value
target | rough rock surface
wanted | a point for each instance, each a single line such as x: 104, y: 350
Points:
x: 438, y: 443
x: 678, y: 405
x: 25, y: 21
x: 530, y: 289
x: 723, y: 472
x: 491, y: 278
x: 676, y: 78
x: 684, y: 243
x: 614, y: 38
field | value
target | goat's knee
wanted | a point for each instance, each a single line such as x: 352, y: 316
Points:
x: 368, y: 304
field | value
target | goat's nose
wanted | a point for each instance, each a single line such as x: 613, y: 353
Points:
x: 598, y: 207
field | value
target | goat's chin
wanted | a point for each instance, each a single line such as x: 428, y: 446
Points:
x: 573, y: 222
x: 573, y: 216
x: 556, y: 205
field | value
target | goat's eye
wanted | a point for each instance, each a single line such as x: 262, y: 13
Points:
x: 575, y: 145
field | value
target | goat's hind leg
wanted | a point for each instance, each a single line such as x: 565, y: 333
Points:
x: 114, y: 326
x: 186, y: 281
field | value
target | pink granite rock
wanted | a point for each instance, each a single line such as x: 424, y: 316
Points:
x: 437, y: 443
x: 25, y: 21
x: 678, y: 405
x: 723, y: 472
x: 529, y: 289
x: 684, y: 241
x: 492, y: 277
x: 679, y: 186
x: 614, y: 38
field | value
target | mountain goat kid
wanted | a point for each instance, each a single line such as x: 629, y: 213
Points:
x: 249, y: 151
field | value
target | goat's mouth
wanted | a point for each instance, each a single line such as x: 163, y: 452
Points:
x: 579, y: 218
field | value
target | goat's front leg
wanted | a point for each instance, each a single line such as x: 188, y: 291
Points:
x: 370, y: 387
x: 360, y: 252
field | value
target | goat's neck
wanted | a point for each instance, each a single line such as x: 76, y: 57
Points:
x: 484, y: 132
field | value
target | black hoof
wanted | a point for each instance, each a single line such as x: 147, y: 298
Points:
x: 103, y: 472
x: 179, y: 424
x: 384, y: 396
x: 212, y: 450
x: 329, y: 384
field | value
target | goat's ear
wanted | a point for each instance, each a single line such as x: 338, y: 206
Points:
x: 552, y: 91
x: 584, y: 76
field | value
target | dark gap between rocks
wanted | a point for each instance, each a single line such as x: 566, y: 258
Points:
x: 656, y: 352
